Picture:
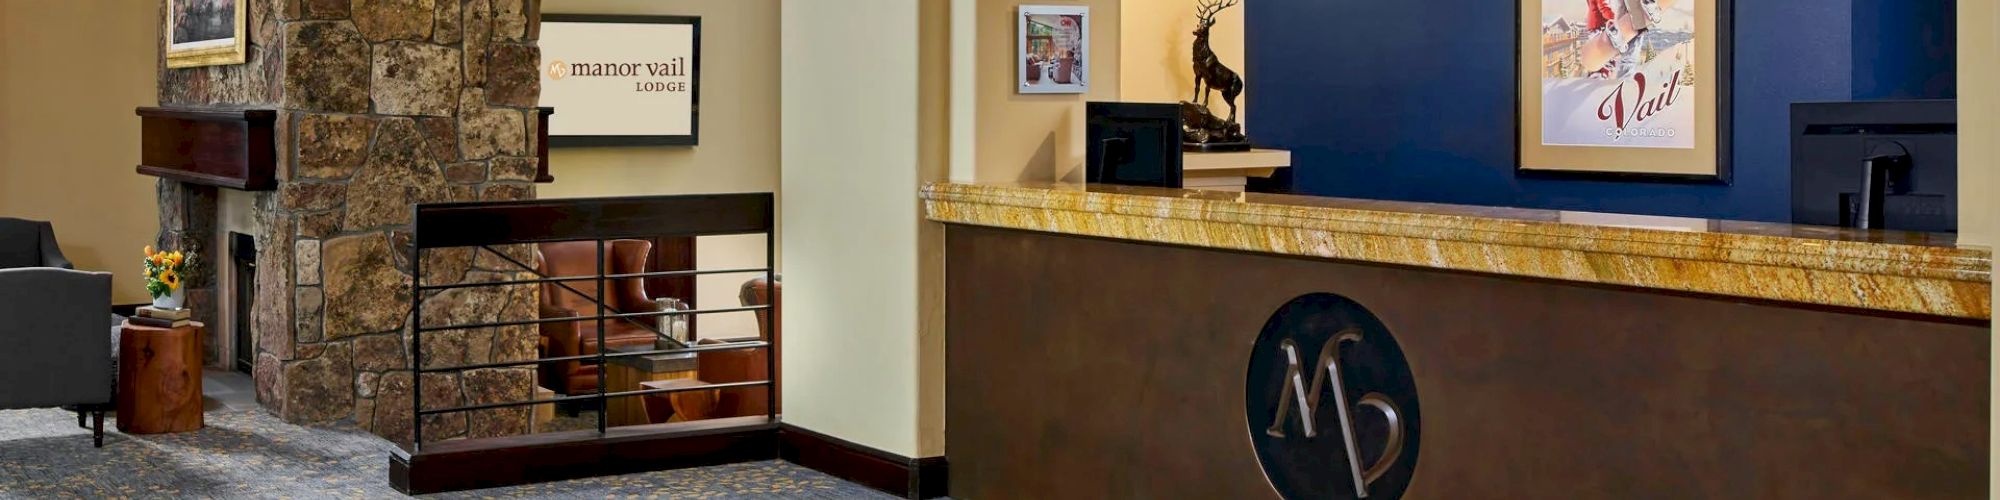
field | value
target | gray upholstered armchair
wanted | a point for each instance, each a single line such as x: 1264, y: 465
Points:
x: 29, y: 243
x: 56, y: 327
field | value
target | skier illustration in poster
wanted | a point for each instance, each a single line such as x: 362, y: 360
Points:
x: 1622, y: 77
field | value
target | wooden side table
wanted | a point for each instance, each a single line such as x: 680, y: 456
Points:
x: 626, y: 373
x: 689, y: 405
x: 159, y: 379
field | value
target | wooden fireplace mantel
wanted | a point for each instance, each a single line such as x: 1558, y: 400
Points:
x: 224, y: 148
x: 236, y: 148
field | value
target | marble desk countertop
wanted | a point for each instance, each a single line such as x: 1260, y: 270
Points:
x: 1921, y: 273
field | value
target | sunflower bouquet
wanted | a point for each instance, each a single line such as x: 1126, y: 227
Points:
x: 164, y: 271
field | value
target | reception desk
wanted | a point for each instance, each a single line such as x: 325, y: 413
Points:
x: 1153, y: 343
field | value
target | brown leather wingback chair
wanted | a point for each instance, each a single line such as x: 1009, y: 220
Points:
x: 572, y: 338
x: 718, y: 367
x: 741, y: 366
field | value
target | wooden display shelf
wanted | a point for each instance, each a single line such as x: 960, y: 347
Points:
x: 1230, y: 171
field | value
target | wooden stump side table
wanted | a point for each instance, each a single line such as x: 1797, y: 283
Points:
x: 159, y: 379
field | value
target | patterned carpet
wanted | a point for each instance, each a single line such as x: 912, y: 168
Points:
x: 250, y: 454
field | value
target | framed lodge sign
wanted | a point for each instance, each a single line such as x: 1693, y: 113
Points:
x: 621, y: 80
x: 1625, y: 89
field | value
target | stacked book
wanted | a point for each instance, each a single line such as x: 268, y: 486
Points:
x: 163, y: 318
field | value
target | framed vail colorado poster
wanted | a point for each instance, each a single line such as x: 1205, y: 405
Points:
x: 1625, y: 89
x: 617, y: 80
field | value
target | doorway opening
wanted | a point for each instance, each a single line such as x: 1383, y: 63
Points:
x: 243, y: 266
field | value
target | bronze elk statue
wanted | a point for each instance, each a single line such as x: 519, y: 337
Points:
x: 1209, y: 73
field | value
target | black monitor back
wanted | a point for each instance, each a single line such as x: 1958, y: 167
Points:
x: 1831, y: 142
x: 1133, y: 144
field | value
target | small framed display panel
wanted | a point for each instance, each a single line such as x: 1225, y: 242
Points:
x: 622, y: 80
x: 1053, y: 47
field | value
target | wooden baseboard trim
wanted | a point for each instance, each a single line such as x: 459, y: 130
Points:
x: 537, y: 458
x: 915, y: 478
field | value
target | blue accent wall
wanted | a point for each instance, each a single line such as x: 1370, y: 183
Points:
x: 1905, y: 49
x: 1414, y: 100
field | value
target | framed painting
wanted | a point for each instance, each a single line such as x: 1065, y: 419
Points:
x: 205, y: 33
x: 1053, y: 47
x: 1624, y: 89
x: 622, y: 80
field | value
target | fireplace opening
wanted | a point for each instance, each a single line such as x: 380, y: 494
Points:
x: 243, y: 266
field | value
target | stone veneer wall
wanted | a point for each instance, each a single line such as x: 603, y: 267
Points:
x: 382, y: 104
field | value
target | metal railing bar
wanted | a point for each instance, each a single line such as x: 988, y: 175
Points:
x: 603, y: 413
x: 689, y: 272
x: 718, y: 310
x: 537, y: 321
x: 470, y: 326
x: 489, y: 406
x: 771, y: 297
x: 691, y: 388
x: 561, y: 279
x: 622, y: 394
x: 730, y: 346
x: 416, y: 352
x: 727, y: 346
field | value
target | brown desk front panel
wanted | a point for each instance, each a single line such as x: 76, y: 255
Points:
x: 1087, y: 368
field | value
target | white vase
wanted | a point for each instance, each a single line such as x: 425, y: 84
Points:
x: 170, y: 300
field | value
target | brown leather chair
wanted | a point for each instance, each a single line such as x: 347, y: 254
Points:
x: 742, y: 366
x: 572, y: 338
x: 717, y: 367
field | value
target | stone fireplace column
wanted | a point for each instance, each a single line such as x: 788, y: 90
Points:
x: 383, y: 104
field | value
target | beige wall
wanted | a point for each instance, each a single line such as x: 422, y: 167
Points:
x: 68, y: 138
x: 962, y: 26
x: 739, y: 139
x: 1029, y: 137
x: 851, y: 236
x: 1157, y: 63
x: 1979, y: 163
x: 1979, y: 121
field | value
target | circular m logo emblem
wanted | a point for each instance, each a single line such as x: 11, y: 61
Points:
x: 1331, y: 403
